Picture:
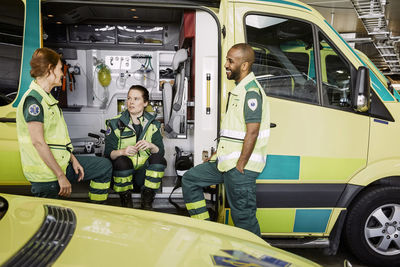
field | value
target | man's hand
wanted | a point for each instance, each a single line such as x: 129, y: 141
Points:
x: 65, y: 186
x: 240, y: 168
x: 249, y: 142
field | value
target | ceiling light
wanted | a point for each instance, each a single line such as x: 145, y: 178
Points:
x: 133, y: 9
x: 50, y: 16
x: 135, y: 17
x: 59, y: 22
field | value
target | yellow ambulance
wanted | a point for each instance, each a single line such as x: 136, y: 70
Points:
x: 332, y: 167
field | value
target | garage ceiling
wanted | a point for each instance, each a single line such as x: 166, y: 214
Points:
x: 373, y: 26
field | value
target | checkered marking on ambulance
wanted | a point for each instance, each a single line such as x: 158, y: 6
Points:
x: 252, y: 103
x: 240, y: 258
x: 34, y: 110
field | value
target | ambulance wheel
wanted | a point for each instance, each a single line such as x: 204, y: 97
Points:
x: 372, y: 229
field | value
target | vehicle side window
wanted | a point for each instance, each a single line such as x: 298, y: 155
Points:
x: 336, y: 76
x: 284, y: 63
x: 11, y: 35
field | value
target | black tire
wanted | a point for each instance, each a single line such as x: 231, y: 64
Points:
x: 366, y: 236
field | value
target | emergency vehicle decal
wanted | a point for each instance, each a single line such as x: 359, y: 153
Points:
x: 376, y: 84
x: 240, y: 258
x: 287, y: 3
x: 281, y: 167
x: 381, y: 121
x: 291, y: 167
x: 32, y: 40
x: 311, y: 220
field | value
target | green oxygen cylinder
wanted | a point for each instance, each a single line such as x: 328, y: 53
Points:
x: 104, y: 75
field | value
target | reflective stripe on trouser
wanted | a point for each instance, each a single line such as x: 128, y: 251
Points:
x: 154, y: 174
x: 98, y: 191
x: 198, y: 210
x: 122, y: 180
x: 240, y: 192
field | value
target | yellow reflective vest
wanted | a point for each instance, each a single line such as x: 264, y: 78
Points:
x: 233, y: 128
x: 55, y: 135
x: 123, y: 130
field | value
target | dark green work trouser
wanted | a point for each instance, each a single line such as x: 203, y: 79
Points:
x: 97, y: 170
x: 240, y: 192
x: 149, y: 175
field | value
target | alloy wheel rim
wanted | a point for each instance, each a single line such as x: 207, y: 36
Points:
x: 382, y: 230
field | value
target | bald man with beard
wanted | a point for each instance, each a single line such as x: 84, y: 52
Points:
x: 241, y: 152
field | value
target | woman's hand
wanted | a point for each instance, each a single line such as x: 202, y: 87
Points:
x: 130, y: 151
x: 143, y: 145
x: 77, y: 168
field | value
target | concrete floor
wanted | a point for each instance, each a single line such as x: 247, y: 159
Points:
x: 337, y: 260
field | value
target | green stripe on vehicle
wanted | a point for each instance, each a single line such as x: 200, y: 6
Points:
x: 31, y: 41
x: 311, y: 220
x: 287, y: 3
x: 376, y: 84
x: 281, y: 167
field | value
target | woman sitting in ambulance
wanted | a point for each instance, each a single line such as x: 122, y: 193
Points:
x: 134, y: 144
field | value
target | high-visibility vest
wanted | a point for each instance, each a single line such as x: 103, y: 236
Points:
x: 233, y: 128
x: 55, y: 135
x: 128, y: 136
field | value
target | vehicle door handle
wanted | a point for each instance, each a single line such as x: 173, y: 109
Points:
x: 14, y: 120
x: 272, y: 125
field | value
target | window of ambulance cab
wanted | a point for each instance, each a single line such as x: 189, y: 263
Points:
x: 285, y: 58
x: 11, y: 35
x: 336, y: 76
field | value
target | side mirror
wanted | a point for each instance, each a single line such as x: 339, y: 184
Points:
x: 361, y: 93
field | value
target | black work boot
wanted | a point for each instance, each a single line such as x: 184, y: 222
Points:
x: 147, y: 198
x: 126, y: 199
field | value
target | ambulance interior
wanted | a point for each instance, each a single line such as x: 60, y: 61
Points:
x: 173, y: 52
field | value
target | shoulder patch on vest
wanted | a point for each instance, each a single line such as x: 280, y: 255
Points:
x: 251, y: 84
x: 34, y: 109
x: 108, y: 131
x: 252, y: 103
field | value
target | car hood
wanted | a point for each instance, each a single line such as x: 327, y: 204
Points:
x: 108, y: 236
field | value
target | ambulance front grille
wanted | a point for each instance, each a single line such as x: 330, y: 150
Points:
x: 49, y: 241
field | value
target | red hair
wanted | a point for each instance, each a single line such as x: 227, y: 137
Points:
x: 43, y: 60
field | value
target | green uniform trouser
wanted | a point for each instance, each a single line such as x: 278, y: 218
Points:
x: 149, y: 175
x: 240, y: 192
x: 97, y: 170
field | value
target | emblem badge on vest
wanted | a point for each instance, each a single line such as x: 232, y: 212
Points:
x: 34, y: 110
x: 252, y: 103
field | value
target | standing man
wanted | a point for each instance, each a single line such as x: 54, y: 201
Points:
x: 241, y: 152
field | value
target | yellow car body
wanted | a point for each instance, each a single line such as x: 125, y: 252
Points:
x: 111, y: 236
